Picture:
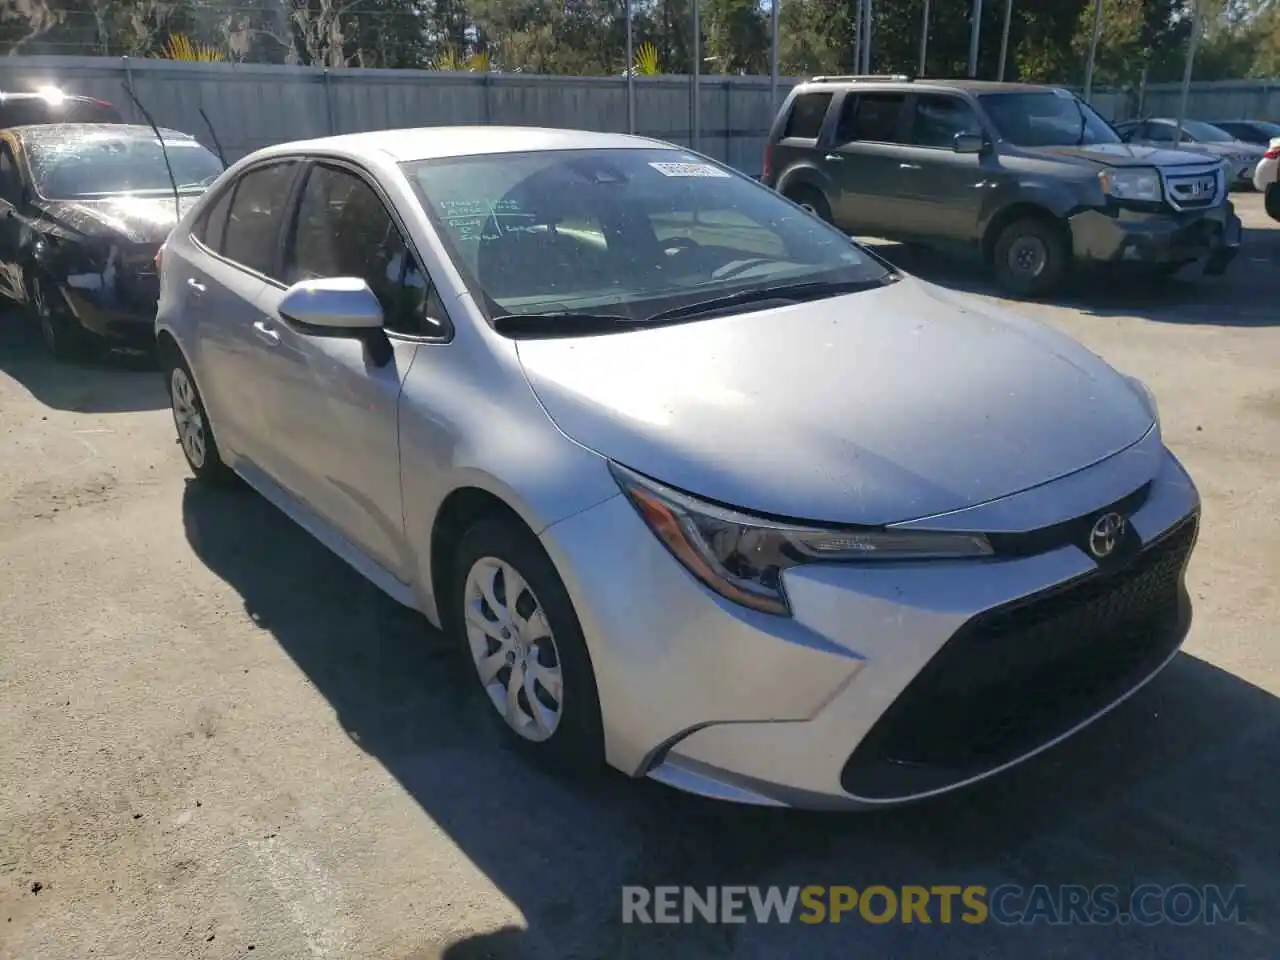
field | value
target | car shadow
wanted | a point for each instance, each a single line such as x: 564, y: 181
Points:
x: 1176, y: 786
x: 117, y: 381
x: 1243, y: 297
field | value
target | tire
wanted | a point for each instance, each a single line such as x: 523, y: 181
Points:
x: 812, y: 200
x: 565, y: 732
x: 1031, y: 257
x: 195, y: 436
x: 1271, y: 200
x: 63, y: 336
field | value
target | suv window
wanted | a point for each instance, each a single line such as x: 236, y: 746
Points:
x: 343, y: 229
x: 872, y: 117
x: 807, y: 114
x: 252, y: 232
x: 937, y: 119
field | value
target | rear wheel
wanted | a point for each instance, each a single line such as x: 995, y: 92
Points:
x: 1031, y: 257
x: 812, y: 200
x: 65, y: 339
x: 192, y: 423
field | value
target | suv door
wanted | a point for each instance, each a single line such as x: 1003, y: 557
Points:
x: 236, y: 244
x: 943, y: 191
x: 864, y: 162
x: 338, y: 409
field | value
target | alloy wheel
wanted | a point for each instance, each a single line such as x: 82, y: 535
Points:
x: 513, y: 648
x: 187, y: 417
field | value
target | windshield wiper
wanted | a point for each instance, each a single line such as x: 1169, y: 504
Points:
x: 1084, y: 123
x: 557, y: 322
x: 795, y: 292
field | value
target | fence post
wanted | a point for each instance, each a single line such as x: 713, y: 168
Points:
x: 328, y: 103
x: 975, y: 31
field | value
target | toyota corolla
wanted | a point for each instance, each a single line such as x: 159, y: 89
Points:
x: 704, y: 490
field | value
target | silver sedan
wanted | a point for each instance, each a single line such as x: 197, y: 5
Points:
x: 706, y: 491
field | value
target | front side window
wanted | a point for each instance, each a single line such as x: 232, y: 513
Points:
x: 1159, y: 132
x: 344, y: 230
x: 937, y: 120
x: 872, y: 117
x: 1048, y: 118
x: 104, y: 165
x: 622, y: 231
x: 252, y: 233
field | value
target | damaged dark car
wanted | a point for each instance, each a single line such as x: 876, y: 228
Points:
x: 84, y: 209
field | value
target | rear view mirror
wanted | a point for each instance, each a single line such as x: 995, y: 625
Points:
x: 969, y: 143
x: 332, y: 306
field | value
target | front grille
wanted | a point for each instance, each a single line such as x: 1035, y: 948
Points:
x: 1194, y: 189
x: 1020, y: 675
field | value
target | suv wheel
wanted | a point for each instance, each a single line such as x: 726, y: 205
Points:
x: 1031, y: 257
x: 812, y: 200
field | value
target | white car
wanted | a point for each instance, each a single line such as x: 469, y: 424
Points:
x: 1266, y: 175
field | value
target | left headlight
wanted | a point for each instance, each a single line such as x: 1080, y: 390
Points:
x: 1134, y: 183
x: 742, y: 557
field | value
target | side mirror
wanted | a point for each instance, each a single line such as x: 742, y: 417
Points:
x: 338, y: 307
x: 969, y: 143
x: 332, y: 306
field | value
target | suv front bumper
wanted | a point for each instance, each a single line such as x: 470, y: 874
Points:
x: 1127, y: 236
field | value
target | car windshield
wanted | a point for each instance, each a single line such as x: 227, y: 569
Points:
x: 1048, y: 118
x: 107, y: 165
x: 626, y: 232
x: 1205, y: 132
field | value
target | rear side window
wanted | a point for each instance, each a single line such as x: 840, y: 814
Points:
x: 807, y: 114
x: 252, y: 235
x: 872, y: 117
x: 212, y: 228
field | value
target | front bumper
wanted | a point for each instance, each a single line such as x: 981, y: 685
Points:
x: 1127, y: 236
x: 890, y: 683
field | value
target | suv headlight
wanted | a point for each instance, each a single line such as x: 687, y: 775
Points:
x: 1137, y: 183
x: 742, y: 557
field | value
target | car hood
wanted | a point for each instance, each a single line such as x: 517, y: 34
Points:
x: 1125, y: 155
x: 873, y: 408
x: 129, y: 218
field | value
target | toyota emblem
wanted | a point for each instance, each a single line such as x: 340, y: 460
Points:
x: 1105, y: 535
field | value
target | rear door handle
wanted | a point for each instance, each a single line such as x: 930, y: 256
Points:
x: 196, y: 285
x: 908, y: 166
x: 834, y: 157
x: 266, y: 333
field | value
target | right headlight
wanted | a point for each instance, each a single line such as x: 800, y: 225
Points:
x: 1132, y: 183
x: 742, y: 557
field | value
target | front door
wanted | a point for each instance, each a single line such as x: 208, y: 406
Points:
x: 336, y: 407
x: 942, y: 190
x: 864, y: 164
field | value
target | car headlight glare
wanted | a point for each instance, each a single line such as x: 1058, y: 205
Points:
x: 1138, y: 183
x: 742, y: 557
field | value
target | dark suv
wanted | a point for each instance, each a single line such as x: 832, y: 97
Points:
x: 1029, y: 177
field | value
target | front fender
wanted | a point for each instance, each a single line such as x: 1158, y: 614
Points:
x: 1056, y: 197
x: 806, y: 174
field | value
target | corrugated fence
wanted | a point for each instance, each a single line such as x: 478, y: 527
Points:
x: 253, y: 105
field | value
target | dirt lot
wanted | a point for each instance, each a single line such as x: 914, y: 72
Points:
x: 216, y: 741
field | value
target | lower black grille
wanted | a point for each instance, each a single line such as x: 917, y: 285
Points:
x: 1022, y: 674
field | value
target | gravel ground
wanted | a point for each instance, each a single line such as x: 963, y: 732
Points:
x: 216, y: 741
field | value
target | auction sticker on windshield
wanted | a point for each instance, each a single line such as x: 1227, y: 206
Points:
x: 688, y: 170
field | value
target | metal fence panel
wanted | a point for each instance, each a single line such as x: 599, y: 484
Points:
x: 254, y: 105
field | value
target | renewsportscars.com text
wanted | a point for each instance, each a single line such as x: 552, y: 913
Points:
x: 1008, y: 904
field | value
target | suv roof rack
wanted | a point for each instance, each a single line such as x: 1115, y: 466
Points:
x: 854, y: 77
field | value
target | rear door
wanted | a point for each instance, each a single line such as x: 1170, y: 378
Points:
x: 943, y: 191
x: 865, y: 162
x: 238, y: 246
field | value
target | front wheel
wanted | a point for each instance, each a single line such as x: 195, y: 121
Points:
x: 65, y: 339
x: 513, y: 618
x: 1031, y: 257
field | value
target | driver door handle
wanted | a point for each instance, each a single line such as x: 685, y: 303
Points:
x: 834, y: 157
x: 908, y: 166
x: 196, y: 286
x: 266, y: 333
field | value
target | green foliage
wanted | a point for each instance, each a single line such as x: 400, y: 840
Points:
x: 646, y: 64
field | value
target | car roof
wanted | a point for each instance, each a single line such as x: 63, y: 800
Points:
x: 8, y: 95
x: 426, y: 143
x: 930, y: 83
x: 35, y: 132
